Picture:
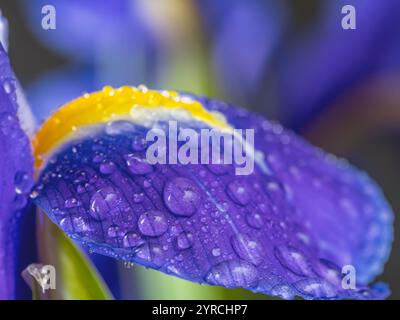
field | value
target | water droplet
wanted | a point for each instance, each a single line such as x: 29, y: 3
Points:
x: 233, y: 274
x: 8, y: 123
x: 184, y: 240
x: 283, y: 291
x: 137, y: 165
x: 80, y: 189
x: 138, y: 197
x: 132, y: 240
x: 139, y: 143
x: 247, y: 248
x: 293, y: 259
x: 34, y: 194
x: 255, y: 220
x: 151, y: 254
x: 366, y: 293
x: 316, y: 288
x: 80, y: 224
x: 182, y: 196
x: 303, y: 237
x: 114, y: 231
x: 57, y: 212
x: 75, y: 224
x: 238, y: 192
x: 102, y: 202
x: 152, y: 223
x: 98, y: 158
x: 107, y: 167
x: 171, y: 269
x: 216, y: 252
x: 275, y: 190
x: 147, y: 183
x: 71, y: 203
x: 65, y: 224
x: 328, y: 271
x: 22, y: 182
x: 9, y: 85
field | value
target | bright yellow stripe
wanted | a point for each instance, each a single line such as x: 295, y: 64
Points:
x: 107, y: 105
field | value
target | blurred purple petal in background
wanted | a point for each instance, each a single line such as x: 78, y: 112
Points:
x: 328, y: 61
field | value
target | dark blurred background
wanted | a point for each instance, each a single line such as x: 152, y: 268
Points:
x: 288, y: 60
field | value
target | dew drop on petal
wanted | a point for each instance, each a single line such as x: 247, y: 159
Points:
x: 80, y: 189
x: 102, y: 202
x: 184, y: 240
x: 9, y: 85
x: 98, y: 158
x: 275, y: 190
x: 113, y: 231
x: 71, y: 203
x: 247, y: 248
x: 216, y: 252
x: 8, y: 123
x: 152, y: 223
x: 132, y: 240
x: 151, y: 254
x: 328, y: 271
x: 147, y: 183
x: 22, y: 182
x: 255, y: 220
x: 233, y: 274
x: 292, y: 259
x: 107, y: 167
x: 34, y: 194
x: 238, y: 192
x: 283, y: 291
x: 80, y: 224
x: 65, y: 224
x: 137, y: 165
x: 138, y: 197
x: 182, y: 196
x: 139, y: 143
x: 316, y: 288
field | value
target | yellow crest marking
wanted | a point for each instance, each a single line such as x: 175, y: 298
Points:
x: 107, y: 105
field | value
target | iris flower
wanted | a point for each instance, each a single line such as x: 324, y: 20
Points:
x: 285, y: 230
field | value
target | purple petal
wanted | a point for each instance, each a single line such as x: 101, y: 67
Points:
x: 205, y: 224
x: 330, y: 60
x: 16, y: 165
x: 82, y: 32
x: 330, y: 197
x: 245, y: 34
